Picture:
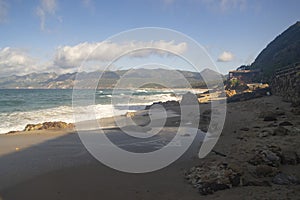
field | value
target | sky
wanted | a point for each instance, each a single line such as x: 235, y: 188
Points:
x: 58, y: 35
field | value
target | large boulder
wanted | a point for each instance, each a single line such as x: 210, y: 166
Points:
x: 48, y: 125
x: 269, y: 155
x: 284, y: 179
x: 213, y: 177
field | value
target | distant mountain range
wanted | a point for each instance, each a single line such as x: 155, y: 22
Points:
x: 110, y: 78
x: 282, y: 51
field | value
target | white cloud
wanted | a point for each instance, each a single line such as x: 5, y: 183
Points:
x: 16, y: 61
x: 225, y: 5
x: 72, y: 56
x: 226, y: 57
x: 46, y: 8
x: 3, y: 10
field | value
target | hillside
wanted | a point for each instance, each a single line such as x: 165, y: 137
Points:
x: 109, y: 78
x: 282, y: 51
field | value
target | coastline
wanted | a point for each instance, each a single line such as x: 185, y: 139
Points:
x: 244, y: 131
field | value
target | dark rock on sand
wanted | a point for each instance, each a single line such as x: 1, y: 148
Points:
x: 255, y: 182
x: 213, y: 177
x: 271, y: 115
x: 167, y: 105
x: 285, y: 123
x: 290, y: 158
x: 284, y: 179
x: 268, y: 155
x: 48, y: 125
x: 281, y: 131
x: 244, y: 129
x: 266, y: 171
x: 296, y: 111
x: 269, y: 118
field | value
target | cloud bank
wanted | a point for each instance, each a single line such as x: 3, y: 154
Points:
x: 73, y: 56
x: 16, y: 61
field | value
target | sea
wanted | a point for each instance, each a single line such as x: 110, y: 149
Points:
x: 19, y: 107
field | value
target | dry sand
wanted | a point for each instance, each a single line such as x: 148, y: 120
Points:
x: 55, y: 165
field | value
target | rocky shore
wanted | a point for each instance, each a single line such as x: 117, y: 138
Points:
x: 258, y: 148
x: 256, y: 157
x: 56, y: 125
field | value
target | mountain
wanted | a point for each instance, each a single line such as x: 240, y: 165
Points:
x: 130, y: 78
x: 282, y: 51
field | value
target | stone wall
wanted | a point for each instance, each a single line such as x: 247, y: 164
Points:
x: 286, y: 83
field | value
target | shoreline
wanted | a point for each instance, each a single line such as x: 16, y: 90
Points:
x: 194, y: 91
x: 60, y: 157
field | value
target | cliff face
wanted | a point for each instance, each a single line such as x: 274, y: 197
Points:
x: 287, y: 85
x: 282, y: 51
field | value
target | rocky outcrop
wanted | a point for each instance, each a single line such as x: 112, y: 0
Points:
x: 287, y: 85
x: 167, y: 105
x: 209, y: 179
x: 249, y: 95
x: 284, y: 179
x: 48, y: 125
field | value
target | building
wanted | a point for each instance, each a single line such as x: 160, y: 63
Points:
x: 246, y: 76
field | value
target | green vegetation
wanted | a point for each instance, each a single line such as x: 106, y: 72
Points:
x: 234, y: 83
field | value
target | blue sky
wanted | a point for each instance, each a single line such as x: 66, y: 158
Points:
x: 34, y: 34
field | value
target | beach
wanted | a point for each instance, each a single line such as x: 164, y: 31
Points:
x: 51, y: 164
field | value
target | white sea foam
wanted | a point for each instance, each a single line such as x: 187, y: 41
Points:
x: 16, y: 121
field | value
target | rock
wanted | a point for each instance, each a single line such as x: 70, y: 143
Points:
x: 249, y: 180
x: 281, y: 131
x: 268, y: 155
x: 284, y: 179
x: 244, y: 129
x: 32, y: 127
x: 296, y: 111
x: 210, y: 178
x: 290, y: 158
x: 279, y: 112
x: 266, y: 171
x: 130, y: 114
x: 270, y: 115
x: 11, y: 132
x: 235, y: 181
x: 272, y: 124
x: 269, y: 118
x: 189, y: 99
x: 247, y: 95
x: 210, y: 188
x: 264, y: 114
x: 48, y: 125
x: 285, y: 123
x: 254, y: 182
x: 230, y: 93
x: 265, y: 133
x: 167, y: 105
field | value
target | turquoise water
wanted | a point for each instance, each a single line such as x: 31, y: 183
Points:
x: 19, y: 107
x: 14, y: 100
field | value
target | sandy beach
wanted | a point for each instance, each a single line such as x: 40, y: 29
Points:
x: 55, y: 165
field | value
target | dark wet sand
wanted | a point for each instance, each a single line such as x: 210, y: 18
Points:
x: 57, y: 166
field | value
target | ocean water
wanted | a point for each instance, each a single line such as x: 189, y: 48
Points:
x: 19, y: 107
